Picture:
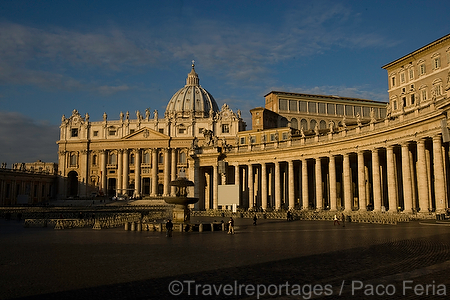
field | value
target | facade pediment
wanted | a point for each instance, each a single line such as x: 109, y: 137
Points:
x: 146, y: 134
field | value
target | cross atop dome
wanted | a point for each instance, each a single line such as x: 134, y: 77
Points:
x: 192, y: 78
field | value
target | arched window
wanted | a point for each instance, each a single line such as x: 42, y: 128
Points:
x: 323, y: 124
x: 146, y: 158
x: 182, y: 158
x: 94, y: 160
x: 304, y: 124
x: 312, y: 124
x: 73, y: 160
x: 112, y: 159
x: 294, y: 123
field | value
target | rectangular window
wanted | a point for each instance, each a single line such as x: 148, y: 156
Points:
x: 312, y: 107
x: 411, y: 74
x: 392, y: 81
x: 437, y: 63
x: 422, y: 69
x: 366, y: 111
x: 285, y: 136
x: 438, y: 88
x: 331, y: 109
x: 424, y: 95
x: 404, y: 101
x: 283, y: 104
x: 200, y: 130
x: 132, y: 131
x: 394, y: 105
x: 303, y: 106
x: 112, y: 132
x: 322, y: 108
x: 402, y: 77
x: 225, y: 128
x: 161, y: 130
x: 293, y: 105
x: 242, y: 140
x: 181, y: 130
x: 349, y: 110
x: 412, y: 99
x: 95, y: 133
x: 74, y: 132
x: 340, y: 109
x: 253, y: 139
x: 272, y: 137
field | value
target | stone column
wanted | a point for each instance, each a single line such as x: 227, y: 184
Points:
x: 103, y: 170
x: 277, y: 186
x: 154, y: 191
x: 305, y: 195
x: 347, y: 183
x: 361, y: 182
x: 173, y: 172
x: 332, y: 172
x: 207, y: 190
x: 376, y: 181
x: 422, y: 177
x: 406, y: 175
x: 291, y: 184
x: 215, y: 187
x: 125, y: 171
x: 251, y: 185
x: 237, y: 181
x: 137, y: 172
x: 119, y: 171
x: 392, y: 186
x: 84, y: 176
x: 166, y: 172
x: 439, y: 180
x: 263, y: 186
x: 319, y: 196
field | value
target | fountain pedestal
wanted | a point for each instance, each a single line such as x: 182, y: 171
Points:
x: 181, y: 212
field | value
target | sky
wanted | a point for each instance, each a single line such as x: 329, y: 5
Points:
x: 112, y: 56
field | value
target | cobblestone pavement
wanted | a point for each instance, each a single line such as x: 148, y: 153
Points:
x: 277, y: 259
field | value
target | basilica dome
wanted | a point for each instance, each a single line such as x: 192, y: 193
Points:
x: 191, y: 99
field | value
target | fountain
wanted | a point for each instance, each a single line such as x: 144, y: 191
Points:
x: 181, y: 212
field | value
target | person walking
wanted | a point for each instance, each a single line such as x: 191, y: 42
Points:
x: 169, y: 228
x: 336, y: 220
x: 231, y: 226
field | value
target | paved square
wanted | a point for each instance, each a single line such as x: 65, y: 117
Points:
x: 285, y: 260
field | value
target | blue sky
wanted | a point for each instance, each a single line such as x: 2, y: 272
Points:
x: 112, y: 56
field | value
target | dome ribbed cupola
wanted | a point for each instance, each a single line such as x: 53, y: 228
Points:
x: 192, y: 99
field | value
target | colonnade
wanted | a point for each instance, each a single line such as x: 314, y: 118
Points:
x: 129, y: 176
x: 409, y: 176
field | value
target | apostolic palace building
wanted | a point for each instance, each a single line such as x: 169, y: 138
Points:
x: 303, y: 151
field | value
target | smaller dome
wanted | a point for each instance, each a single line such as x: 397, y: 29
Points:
x: 192, y: 99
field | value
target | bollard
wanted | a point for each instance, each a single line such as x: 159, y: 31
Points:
x: 212, y: 227
x: 200, y: 228
x: 223, y: 226
x: 127, y: 226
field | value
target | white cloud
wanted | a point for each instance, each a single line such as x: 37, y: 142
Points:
x: 26, y: 140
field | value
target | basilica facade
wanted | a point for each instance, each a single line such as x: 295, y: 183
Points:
x: 303, y: 151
